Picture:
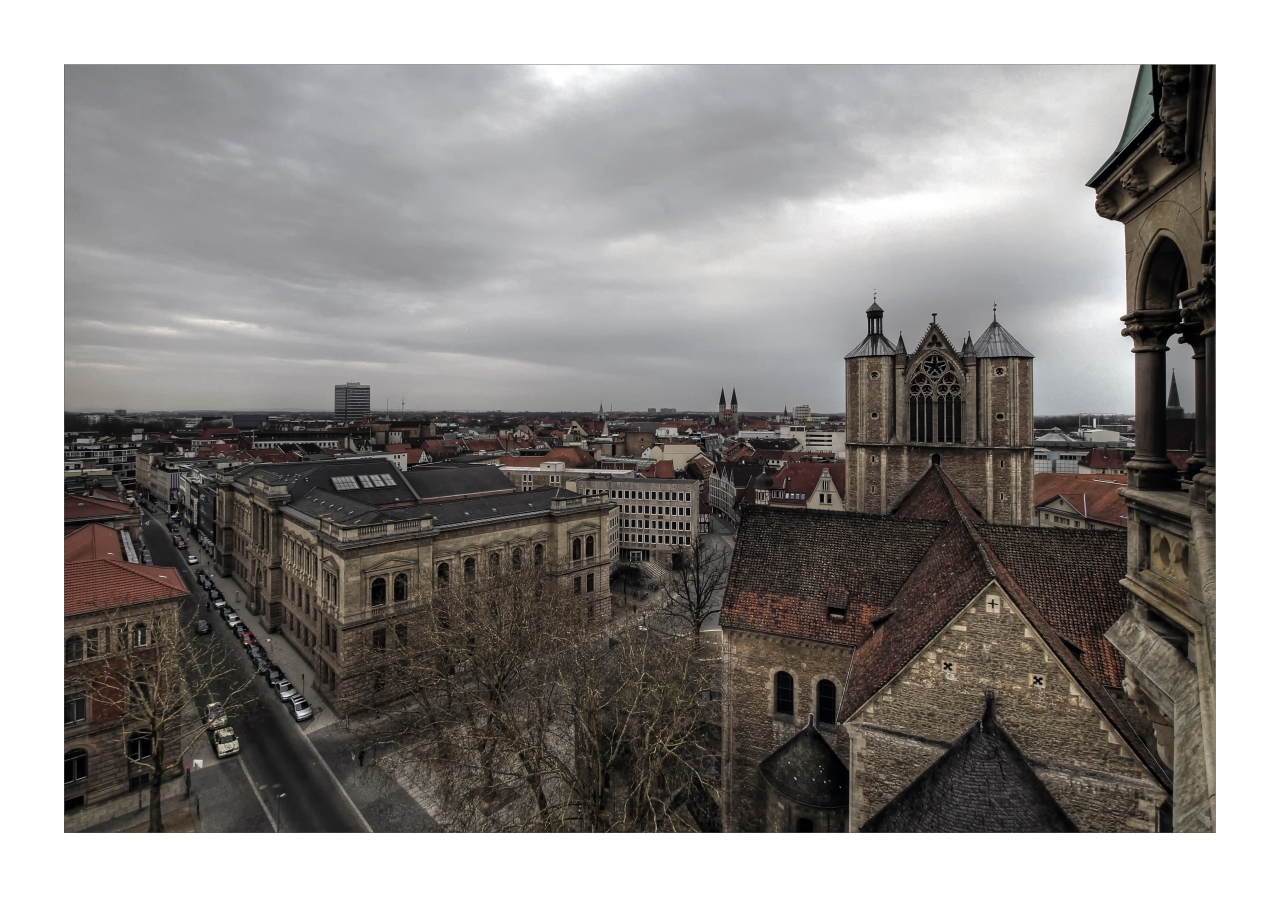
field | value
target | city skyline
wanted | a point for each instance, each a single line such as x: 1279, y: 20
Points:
x: 506, y: 237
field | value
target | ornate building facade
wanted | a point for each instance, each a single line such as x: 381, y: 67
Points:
x: 968, y: 410
x: 1160, y: 184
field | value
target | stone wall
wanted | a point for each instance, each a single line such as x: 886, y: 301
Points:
x: 1068, y: 742
x: 752, y: 731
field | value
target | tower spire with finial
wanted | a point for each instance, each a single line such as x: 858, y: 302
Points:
x: 993, y: 312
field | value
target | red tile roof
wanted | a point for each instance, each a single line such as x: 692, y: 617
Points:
x: 98, y: 585
x: 93, y: 541
x: 1104, y: 459
x: 802, y: 479
x: 85, y: 507
x: 663, y: 470
x: 1099, y: 493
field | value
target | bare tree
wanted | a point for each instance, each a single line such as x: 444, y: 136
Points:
x: 695, y: 586
x: 150, y: 683
x: 504, y: 701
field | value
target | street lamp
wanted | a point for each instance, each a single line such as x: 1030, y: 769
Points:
x: 279, y: 818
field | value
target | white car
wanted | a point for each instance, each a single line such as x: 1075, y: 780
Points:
x: 232, y: 620
x: 215, y: 715
x: 225, y: 742
x: 192, y: 560
x: 284, y: 689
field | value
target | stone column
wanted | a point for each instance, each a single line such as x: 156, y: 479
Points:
x: 1150, y: 329
x: 901, y: 431
x: 1192, y: 334
x: 1204, y: 308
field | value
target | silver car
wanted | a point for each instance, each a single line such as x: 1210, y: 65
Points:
x: 284, y: 689
x: 232, y: 620
x: 300, y: 708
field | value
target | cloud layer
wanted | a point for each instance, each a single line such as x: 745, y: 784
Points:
x: 524, y: 238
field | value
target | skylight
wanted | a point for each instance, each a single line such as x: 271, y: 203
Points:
x: 367, y: 482
x: 343, y: 484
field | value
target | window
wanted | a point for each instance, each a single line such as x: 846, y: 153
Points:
x: 73, y: 709
x: 875, y: 415
x: 75, y: 766
x: 591, y: 547
x: 1037, y: 681
x: 577, y: 549
x: 948, y: 670
x: 495, y: 563
x: 402, y: 634
x: 999, y: 415
x: 935, y: 400
x: 999, y: 372
x: 784, y: 694
x: 469, y: 569
x: 538, y: 552
x: 442, y: 575
x: 591, y: 582
x: 875, y: 375
x: 827, y: 702
x: 139, y: 747
x: 402, y: 587
x: 516, y: 557
x: 378, y: 593
x: 91, y: 643
x: 140, y: 635
x: 577, y: 585
x: 74, y: 649
x: 379, y: 639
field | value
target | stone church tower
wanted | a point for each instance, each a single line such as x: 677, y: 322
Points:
x: 969, y: 411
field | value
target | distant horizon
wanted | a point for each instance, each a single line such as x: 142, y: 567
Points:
x: 710, y: 413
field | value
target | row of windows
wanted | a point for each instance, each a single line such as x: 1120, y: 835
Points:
x: 94, y: 642
x: 650, y: 495
x: 654, y: 539
x: 444, y: 571
x: 657, y: 524
x: 656, y: 509
x: 784, y: 697
x: 75, y: 763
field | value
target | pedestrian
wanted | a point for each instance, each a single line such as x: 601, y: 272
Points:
x: 353, y: 756
x: 362, y: 758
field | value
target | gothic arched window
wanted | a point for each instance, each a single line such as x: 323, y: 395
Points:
x: 516, y: 557
x: 936, y: 391
x: 442, y: 575
x: 378, y: 592
x: 784, y: 694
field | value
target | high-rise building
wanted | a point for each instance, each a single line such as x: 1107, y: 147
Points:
x: 350, y: 402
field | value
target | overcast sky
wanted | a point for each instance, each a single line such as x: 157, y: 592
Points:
x: 544, y: 239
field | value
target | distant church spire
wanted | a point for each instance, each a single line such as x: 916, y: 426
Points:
x: 1174, y: 408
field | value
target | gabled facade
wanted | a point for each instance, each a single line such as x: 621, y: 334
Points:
x: 969, y: 411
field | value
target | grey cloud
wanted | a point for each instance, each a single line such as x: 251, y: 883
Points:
x: 476, y: 237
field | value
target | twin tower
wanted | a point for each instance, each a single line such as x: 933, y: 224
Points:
x: 969, y: 411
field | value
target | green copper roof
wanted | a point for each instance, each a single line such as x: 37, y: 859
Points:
x: 1142, y: 112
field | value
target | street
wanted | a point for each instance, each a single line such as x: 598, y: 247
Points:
x: 275, y: 757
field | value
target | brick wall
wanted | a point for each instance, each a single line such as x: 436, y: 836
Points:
x: 752, y: 731
x: 1065, y: 738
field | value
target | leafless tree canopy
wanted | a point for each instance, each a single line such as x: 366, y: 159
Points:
x: 695, y: 587
x: 153, y: 683
x: 516, y: 713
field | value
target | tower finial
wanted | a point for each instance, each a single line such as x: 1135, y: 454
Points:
x: 935, y: 317
x: 993, y: 312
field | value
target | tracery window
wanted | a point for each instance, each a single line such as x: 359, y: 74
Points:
x: 936, y: 400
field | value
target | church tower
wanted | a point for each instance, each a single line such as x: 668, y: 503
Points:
x: 733, y: 409
x: 968, y: 410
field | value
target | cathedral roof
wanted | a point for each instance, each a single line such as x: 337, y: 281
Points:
x: 983, y: 783
x: 996, y: 342
x: 807, y: 771
x: 873, y: 344
x: 1142, y: 116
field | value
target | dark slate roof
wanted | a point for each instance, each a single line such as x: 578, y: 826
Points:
x: 302, y: 477
x: 807, y: 771
x: 873, y: 344
x: 436, y: 482
x: 996, y: 342
x: 981, y: 784
x: 1073, y: 576
x: 790, y: 565
x: 466, y: 511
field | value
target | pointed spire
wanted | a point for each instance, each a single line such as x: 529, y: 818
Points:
x: 1174, y: 401
x: 722, y: 397
x: 901, y: 348
x: 733, y: 402
x: 967, y: 348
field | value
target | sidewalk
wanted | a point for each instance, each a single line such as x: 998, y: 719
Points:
x: 175, y: 810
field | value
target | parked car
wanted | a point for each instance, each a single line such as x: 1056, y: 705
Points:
x: 192, y: 560
x: 300, y: 708
x: 219, y: 602
x: 214, y: 715
x: 225, y: 743
x: 273, y: 673
x: 284, y: 689
x: 226, y: 610
x: 232, y: 619
x: 203, y: 627
x: 255, y: 651
x: 181, y: 543
x: 215, y: 594
x: 261, y: 662
x: 247, y: 638
x: 239, y: 629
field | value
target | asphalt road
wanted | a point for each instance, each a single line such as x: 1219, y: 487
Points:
x: 276, y: 754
